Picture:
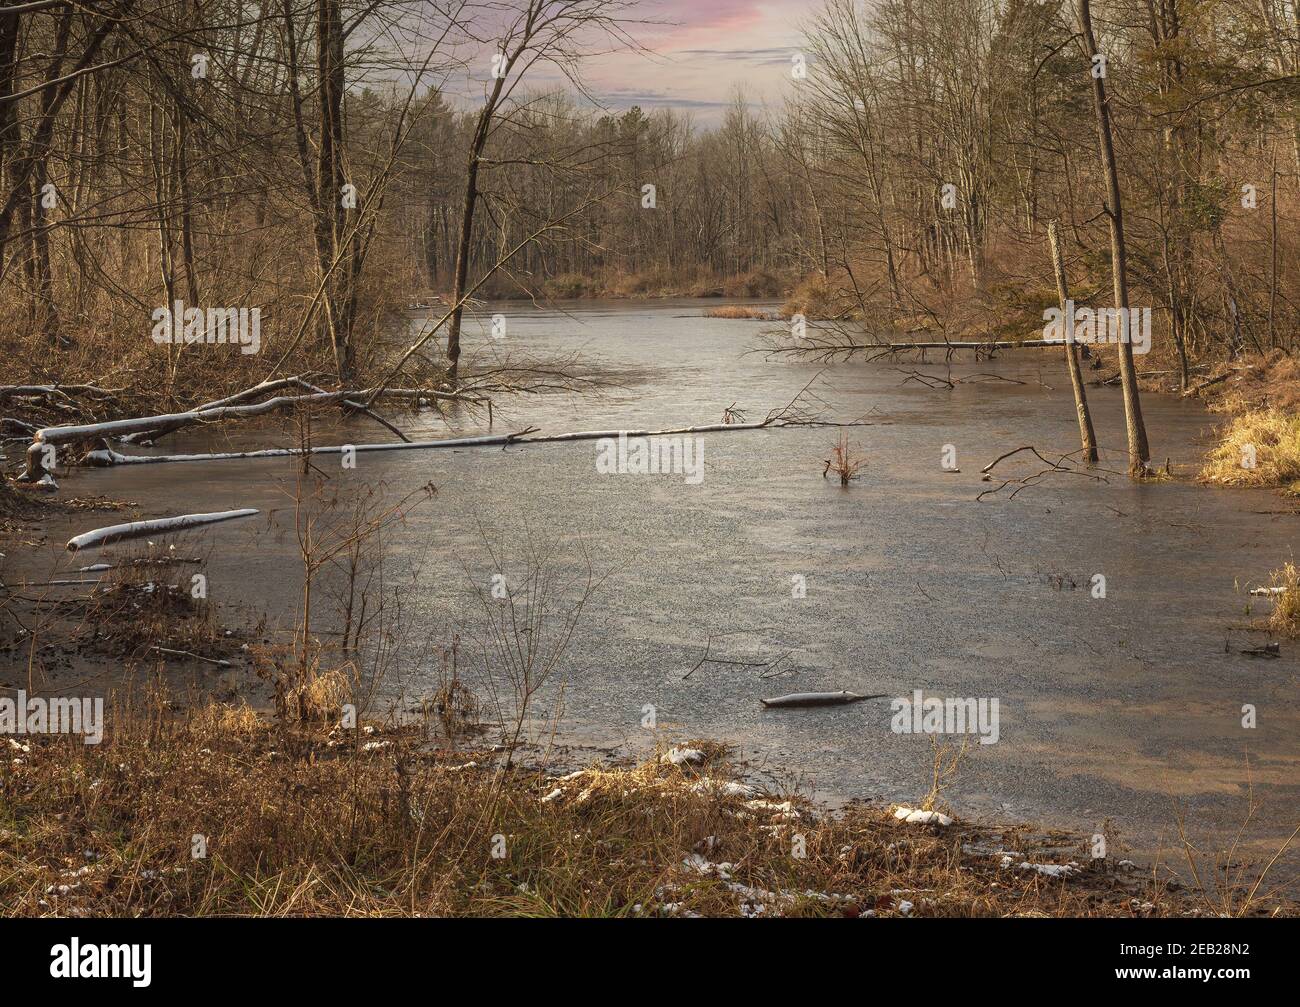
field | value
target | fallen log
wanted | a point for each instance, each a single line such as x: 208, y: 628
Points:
x: 792, y: 414
x: 108, y: 457
x: 801, y: 699
x: 347, y: 400
x: 1207, y: 383
x: 49, y: 437
x: 159, y: 526
x: 234, y: 406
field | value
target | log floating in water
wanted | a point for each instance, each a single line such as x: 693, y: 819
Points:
x: 798, y: 699
x: 138, y: 529
x: 128, y: 429
x: 106, y: 456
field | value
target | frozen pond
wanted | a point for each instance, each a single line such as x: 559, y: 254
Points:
x: 1117, y: 707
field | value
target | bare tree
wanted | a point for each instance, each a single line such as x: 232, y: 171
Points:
x: 1138, y: 452
x: 1087, y: 438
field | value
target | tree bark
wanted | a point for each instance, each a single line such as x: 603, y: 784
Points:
x: 1087, y: 437
x: 330, y: 179
x: 1138, y: 450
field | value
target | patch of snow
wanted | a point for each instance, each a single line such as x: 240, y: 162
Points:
x: 1052, y: 870
x: 922, y: 817
x: 727, y: 788
x: 701, y: 865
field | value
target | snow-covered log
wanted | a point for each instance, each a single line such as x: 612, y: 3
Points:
x: 797, y: 699
x: 109, y: 457
x: 159, y: 526
x: 234, y: 406
x: 75, y: 433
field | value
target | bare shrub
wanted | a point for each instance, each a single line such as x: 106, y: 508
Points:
x: 842, y: 462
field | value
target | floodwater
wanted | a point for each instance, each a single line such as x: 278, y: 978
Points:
x: 1126, y: 707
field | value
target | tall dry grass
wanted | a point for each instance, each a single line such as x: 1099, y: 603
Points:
x: 383, y: 821
x: 1258, y: 448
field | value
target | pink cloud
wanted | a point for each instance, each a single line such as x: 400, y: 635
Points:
x: 697, y: 22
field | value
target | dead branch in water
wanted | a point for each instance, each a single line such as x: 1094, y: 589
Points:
x: 829, y: 343
x: 949, y: 382
x: 1058, y: 467
x: 706, y: 659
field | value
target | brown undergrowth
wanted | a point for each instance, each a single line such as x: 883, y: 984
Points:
x: 384, y: 820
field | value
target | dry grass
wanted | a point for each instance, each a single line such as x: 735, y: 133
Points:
x: 1258, y: 448
x: 1284, y: 620
x: 816, y: 297
x: 1255, y: 381
x: 380, y: 821
x: 740, y: 311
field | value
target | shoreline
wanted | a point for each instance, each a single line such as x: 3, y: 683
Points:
x: 420, y: 829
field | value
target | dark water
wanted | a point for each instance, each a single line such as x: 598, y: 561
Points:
x: 1118, y: 708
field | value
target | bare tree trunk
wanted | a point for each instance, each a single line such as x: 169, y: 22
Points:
x: 1138, y: 451
x: 157, y: 160
x: 43, y: 291
x: 330, y: 179
x: 463, y: 245
x: 1087, y: 438
x: 1272, y: 274
x: 9, y: 135
x: 60, y: 85
x: 186, y: 206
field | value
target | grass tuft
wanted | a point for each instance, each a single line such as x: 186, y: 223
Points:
x: 1258, y: 448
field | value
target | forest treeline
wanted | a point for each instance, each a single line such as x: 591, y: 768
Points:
x: 307, y: 157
